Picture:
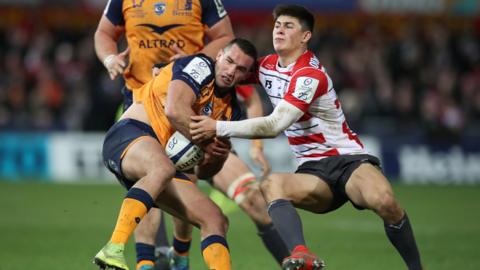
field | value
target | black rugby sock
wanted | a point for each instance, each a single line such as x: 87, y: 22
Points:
x: 273, y: 242
x: 401, y: 236
x: 161, y: 239
x: 287, y: 222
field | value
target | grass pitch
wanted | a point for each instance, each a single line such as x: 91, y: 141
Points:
x: 52, y: 226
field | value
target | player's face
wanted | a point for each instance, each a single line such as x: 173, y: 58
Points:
x: 232, y: 66
x: 288, y: 34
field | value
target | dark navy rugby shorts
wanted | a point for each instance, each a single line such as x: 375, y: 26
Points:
x: 127, y: 97
x: 335, y: 171
x: 118, y: 139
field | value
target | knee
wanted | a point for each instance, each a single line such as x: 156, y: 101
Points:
x: 162, y: 175
x: 252, y: 198
x: 254, y: 206
x: 387, y: 207
x: 221, y: 224
x: 214, y: 223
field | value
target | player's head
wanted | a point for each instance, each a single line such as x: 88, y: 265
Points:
x: 234, y: 62
x: 293, y: 28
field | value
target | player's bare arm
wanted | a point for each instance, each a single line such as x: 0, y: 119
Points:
x: 106, y: 38
x: 215, y: 156
x: 178, y: 107
x: 219, y: 35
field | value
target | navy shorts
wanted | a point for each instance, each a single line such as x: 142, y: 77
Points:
x: 336, y: 171
x: 118, y: 138
x: 127, y: 97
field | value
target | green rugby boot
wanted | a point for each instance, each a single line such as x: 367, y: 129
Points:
x: 111, y: 257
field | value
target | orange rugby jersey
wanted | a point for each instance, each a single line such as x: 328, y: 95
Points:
x: 152, y: 27
x: 198, y: 71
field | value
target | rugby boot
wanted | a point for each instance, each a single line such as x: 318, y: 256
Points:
x: 111, y: 257
x: 177, y: 262
x: 162, y: 262
x: 302, y: 259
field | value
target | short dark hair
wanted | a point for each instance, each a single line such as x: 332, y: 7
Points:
x: 246, y: 46
x: 306, y: 19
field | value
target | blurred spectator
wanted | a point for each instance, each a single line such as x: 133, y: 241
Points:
x: 415, y: 77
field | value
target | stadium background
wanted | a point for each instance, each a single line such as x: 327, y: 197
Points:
x: 407, y: 73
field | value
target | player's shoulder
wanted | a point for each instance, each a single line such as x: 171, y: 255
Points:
x: 199, y: 67
x: 268, y: 61
x: 309, y: 65
x: 199, y: 59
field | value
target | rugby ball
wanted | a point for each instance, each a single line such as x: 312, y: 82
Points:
x: 182, y: 152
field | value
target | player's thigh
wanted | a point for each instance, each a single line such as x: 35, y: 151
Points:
x: 232, y: 169
x: 366, y: 184
x: 306, y: 191
x: 144, y: 155
x: 186, y: 201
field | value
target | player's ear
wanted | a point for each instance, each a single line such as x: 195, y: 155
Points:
x: 219, y: 54
x: 307, y: 35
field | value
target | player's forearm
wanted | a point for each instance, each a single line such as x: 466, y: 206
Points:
x: 105, y: 45
x: 180, y: 119
x: 261, y: 127
x: 255, y: 128
x: 209, y: 170
x: 214, y: 46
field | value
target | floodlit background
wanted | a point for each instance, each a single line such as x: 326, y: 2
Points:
x: 407, y: 74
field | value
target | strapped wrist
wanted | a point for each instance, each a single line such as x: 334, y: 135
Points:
x: 108, y: 60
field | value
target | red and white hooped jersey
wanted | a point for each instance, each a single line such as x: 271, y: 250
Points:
x: 322, y: 131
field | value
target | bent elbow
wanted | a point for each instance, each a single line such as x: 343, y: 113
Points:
x: 172, y: 115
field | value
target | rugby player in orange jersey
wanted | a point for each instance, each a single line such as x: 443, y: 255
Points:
x: 134, y: 149
x: 155, y: 31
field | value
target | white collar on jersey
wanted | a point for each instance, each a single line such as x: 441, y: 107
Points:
x: 285, y: 69
x: 289, y: 67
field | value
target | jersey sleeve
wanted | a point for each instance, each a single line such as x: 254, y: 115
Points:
x: 305, y: 86
x: 197, y: 71
x: 113, y: 12
x: 212, y: 11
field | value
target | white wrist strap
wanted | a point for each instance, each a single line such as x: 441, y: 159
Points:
x: 108, y: 60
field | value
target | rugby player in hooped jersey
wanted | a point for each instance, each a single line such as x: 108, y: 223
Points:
x: 133, y: 149
x: 334, y: 166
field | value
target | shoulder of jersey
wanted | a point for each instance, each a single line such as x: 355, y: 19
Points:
x: 198, y: 66
x: 309, y: 62
x: 269, y: 61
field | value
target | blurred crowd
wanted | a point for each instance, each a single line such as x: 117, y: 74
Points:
x: 51, y: 80
x: 418, y: 80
